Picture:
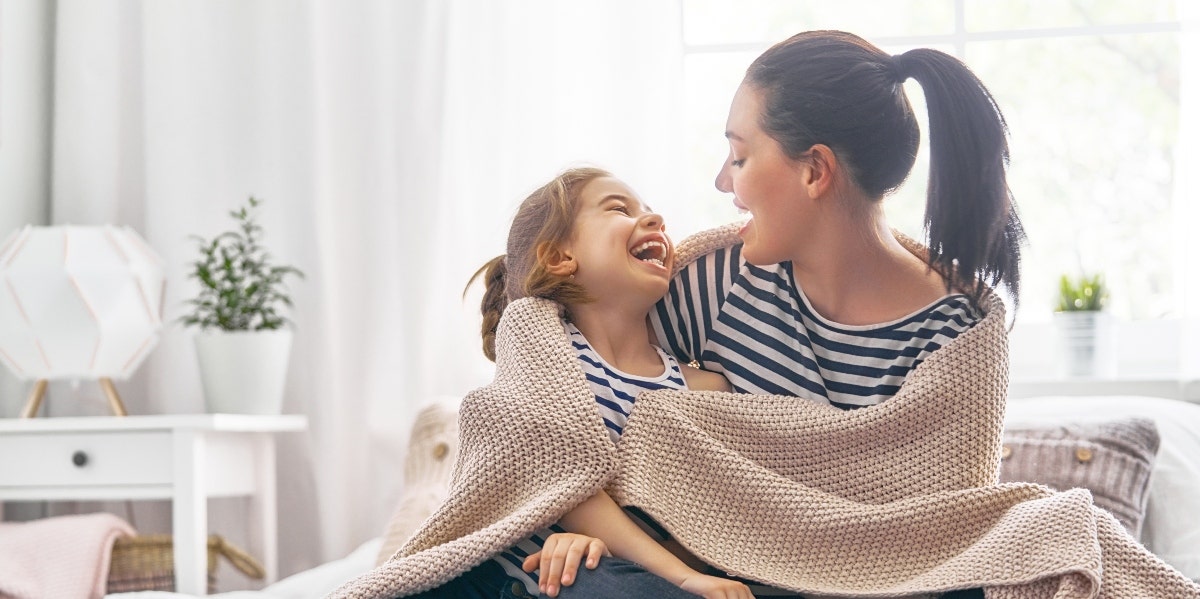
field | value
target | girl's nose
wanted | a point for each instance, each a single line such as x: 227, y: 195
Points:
x: 653, y: 220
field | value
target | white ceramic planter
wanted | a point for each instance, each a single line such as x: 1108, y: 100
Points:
x: 243, y: 372
x: 1084, y: 340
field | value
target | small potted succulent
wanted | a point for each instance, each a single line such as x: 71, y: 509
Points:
x: 244, y: 340
x: 1080, y: 323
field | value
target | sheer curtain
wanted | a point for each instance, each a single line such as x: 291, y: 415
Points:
x: 391, y: 142
x: 1187, y: 196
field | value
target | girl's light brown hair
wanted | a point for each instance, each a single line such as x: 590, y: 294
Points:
x: 543, y: 222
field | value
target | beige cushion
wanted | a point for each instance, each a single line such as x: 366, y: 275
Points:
x: 1111, y: 459
x: 432, y: 449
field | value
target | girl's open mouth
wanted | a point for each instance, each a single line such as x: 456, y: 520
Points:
x: 653, y: 251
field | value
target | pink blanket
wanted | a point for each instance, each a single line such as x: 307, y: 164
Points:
x: 65, y: 557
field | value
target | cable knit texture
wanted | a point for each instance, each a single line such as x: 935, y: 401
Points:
x: 427, y: 467
x: 895, y: 499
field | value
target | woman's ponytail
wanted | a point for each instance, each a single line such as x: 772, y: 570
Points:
x: 835, y: 88
x: 975, y: 234
x: 494, y: 301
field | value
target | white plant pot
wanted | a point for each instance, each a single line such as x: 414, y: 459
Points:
x: 243, y: 372
x: 1085, y: 344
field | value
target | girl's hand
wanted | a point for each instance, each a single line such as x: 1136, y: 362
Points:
x: 558, y: 561
x: 712, y: 587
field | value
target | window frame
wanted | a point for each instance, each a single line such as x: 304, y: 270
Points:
x: 1174, y: 365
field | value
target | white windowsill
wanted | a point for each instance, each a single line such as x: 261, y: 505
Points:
x: 1183, y: 388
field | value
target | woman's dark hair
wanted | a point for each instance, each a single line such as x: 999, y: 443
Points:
x: 836, y: 89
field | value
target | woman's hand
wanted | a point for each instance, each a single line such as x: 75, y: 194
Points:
x: 712, y: 587
x: 558, y: 561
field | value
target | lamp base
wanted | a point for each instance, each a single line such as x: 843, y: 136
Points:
x: 34, y: 403
x: 114, y: 400
x: 35, y: 399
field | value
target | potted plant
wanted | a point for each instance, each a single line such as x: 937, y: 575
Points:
x: 244, y: 341
x: 1079, y: 322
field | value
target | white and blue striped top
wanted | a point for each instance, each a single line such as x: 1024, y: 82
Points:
x: 615, y: 392
x: 754, y: 325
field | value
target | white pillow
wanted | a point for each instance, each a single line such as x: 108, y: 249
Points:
x: 1171, y: 528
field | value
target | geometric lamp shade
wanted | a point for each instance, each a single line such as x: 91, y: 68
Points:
x: 78, y: 302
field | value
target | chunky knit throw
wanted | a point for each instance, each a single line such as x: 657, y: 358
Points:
x: 898, y: 499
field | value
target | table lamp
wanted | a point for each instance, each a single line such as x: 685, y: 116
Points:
x: 78, y: 303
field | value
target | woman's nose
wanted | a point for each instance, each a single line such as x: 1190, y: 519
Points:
x: 723, y: 181
x: 653, y: 220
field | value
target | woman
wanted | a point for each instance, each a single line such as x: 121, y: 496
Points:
x: 821, y: 299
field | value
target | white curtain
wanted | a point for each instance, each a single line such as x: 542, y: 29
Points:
x: 391, y: 142
x: 1187, y: 192
x: 25, y: 96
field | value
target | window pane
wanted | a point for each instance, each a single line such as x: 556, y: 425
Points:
x: 709, y: 82
x: 770, y: 21
x: 986, y: 15
x: 1094, y: 129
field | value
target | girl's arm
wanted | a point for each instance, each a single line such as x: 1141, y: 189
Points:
x: 600, y: 517
x: 703, y: 380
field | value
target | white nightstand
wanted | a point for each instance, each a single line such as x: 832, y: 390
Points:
x: 186, y: 459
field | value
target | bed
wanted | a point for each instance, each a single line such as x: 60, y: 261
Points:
x: 1093, y: 427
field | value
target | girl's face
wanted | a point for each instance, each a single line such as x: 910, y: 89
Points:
x: 620, y: 247
x: 763, y: 181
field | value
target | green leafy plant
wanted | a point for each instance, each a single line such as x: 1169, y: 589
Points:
x: 1083, y: 294
x: 240, y: 290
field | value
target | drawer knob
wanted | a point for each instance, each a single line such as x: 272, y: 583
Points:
x: 79, y: 458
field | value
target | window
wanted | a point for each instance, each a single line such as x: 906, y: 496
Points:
x: 1091, y: 92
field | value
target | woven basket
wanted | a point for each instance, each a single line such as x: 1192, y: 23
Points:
x: 146, y: 563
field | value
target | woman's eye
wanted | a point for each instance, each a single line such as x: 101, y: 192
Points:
x: 621, y: 209
x: 738, y: 163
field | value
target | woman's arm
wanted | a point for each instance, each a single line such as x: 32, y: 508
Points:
x: 600, y: 517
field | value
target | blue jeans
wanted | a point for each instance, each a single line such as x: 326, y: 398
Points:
x: 486, y: 581
x: 613, y: 577
x: 618, y: 578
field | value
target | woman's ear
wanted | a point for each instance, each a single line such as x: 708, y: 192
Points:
x: 559, y: 261
x: 823, y: 167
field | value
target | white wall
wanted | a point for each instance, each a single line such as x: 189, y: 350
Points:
x: 26, y: 55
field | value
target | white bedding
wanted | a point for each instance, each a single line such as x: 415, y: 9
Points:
x: 1172, y: 525
x: 317, y: 582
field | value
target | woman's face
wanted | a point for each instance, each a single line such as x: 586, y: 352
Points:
x: 620, y: 246
x: 763, y: 181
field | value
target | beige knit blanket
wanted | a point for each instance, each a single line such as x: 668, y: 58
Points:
x: 892, y: 500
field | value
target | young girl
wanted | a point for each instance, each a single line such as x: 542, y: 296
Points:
x: 587, y: 241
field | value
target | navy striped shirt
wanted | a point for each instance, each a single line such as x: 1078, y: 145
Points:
x: 754, y: 325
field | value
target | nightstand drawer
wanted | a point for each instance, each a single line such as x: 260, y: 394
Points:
x: 85, y: 459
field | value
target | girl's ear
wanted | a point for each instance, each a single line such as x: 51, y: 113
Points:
x: 823, y: 167
x: 559, y: 261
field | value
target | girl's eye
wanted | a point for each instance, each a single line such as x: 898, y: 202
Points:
x: 620, y: 208
x: 738, y: 163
